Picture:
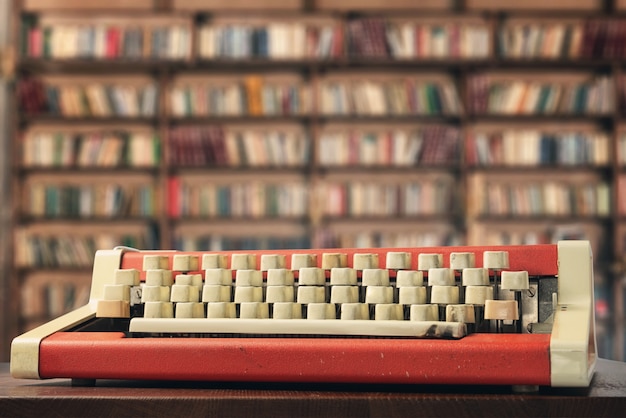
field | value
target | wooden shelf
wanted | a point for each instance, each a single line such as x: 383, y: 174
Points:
x: 535, y: 5
x: 89, y: 6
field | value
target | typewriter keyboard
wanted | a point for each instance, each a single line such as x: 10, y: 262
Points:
x: 357, y: 295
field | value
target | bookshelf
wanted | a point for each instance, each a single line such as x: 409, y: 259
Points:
x: 285, y: 124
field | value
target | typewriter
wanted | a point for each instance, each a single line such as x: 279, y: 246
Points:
x: 497, y: 315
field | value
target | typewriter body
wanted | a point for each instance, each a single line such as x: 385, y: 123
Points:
x: 504, y: 315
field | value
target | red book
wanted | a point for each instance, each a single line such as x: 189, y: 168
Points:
x: 337, y: 45
x: 35, y: 43
x: 173, y: 201
x: 113, y: 43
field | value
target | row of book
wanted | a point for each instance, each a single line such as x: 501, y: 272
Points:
x: 389, y: 147
x: 45, y: 149
x: 544, y: 198
x: 306, y: 38
x: 331, y: 238
x: 43, y: 200
x: 88, y: 99
x: 393, y: 96
x: 563, y: 39
x: 536, y: 148
x: 107, y: 41
x: 243, y: 199
x: 363, y: 37
x: 46, y: 297
x: 390, y: 199
x: 536, y: 97
x: 293, y: 40
x: 251, y: 95
x: 73, y: 251
x: 358, y: 95
x: 217, y: 242
x: 191, y: 146
x: 409, y: 39
x: 336, y: 146
x: 326, y: 237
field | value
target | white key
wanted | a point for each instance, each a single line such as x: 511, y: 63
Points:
x: 155, y: 294
x: 218, y: 277
x: 249, y: 278
x: 184, y: 293
x: 379, y: 294
x: 320, y: 311
x: 258, y: 310
x: 388, y: 312
x: 441, y: 277
x: 189, y: 310
x: 273, y: 261
x: 299, y: 261
x: 398, y: 261
x: 311, y: 276
x: 460, y: 313
x: 287, y: 310
x: 355, y: 311
x: 496, y: 260
x: 189, y: 279
x: 155, y: 262
x: 412, y: 295
x: 344, y: 294
x: 245, y: 294
x: 280, y: 277
x: 221, y: 310
x: 275, y: 294
x: 477, y: 276
x: 362, y: 261
x: 424, y: 312
x: 129, y: 277
x: 343, y: 276
x: 158, y: 310
x: 514, y: 280
x: 375, y: 277
x: 116, y: 292
x: 330, y: 260
x: 214, y: 261
x: 460, y: 261
x: 216, y: 293
x: 409, y: 278
x: 303, y: 327
x: 184, y: 262
x: 243, y: 261
x: 444, y: 295
x: 429, y: 261
x: 477, y: 295
x: 501, y: 309
x: 159, y: 277
x: 311, y: 294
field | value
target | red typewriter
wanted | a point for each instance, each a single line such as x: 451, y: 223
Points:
x: 498, y: 315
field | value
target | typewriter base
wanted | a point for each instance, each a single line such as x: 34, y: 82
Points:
x: 605, y: 397
x: 483, y: 359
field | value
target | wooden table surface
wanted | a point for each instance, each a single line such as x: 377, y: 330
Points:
x: 605, y: 397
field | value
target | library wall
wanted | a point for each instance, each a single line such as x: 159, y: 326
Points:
x: 214, y: 125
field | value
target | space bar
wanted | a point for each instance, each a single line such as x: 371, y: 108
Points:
x: 321, y: 327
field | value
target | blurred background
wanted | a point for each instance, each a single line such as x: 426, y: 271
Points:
x: 227, y: 125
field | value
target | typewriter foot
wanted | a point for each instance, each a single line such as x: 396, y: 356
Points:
x: 525, y: 388
x: 83, y: 382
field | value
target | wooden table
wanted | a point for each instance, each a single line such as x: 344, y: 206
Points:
x: 605, y: 397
